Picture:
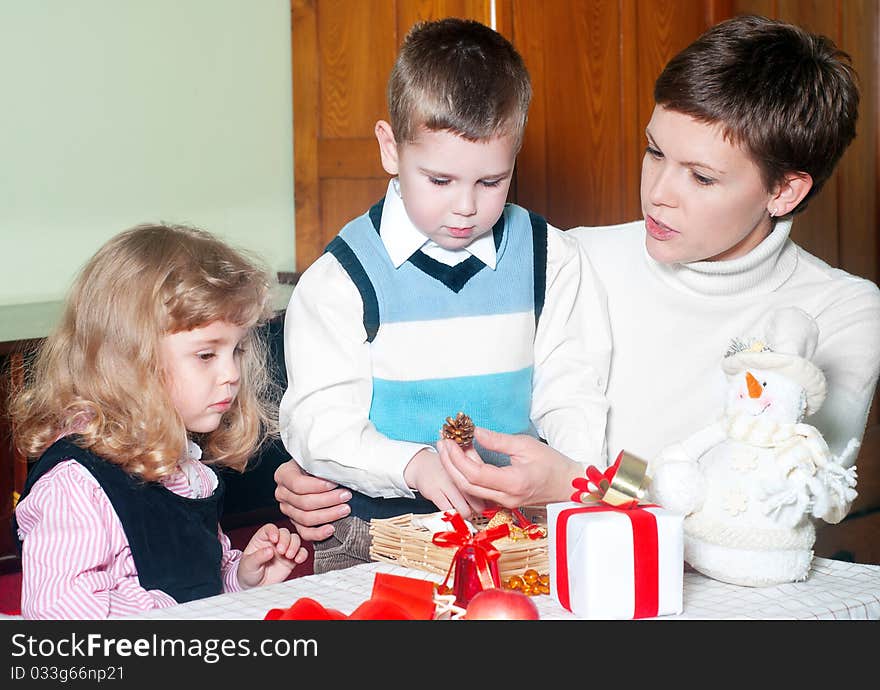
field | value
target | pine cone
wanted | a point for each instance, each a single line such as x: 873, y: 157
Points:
x: 460, y: 429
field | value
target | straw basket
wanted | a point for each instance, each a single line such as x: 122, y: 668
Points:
x: 396, y: 540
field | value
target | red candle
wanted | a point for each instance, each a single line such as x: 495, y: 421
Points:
x: 468, y: 578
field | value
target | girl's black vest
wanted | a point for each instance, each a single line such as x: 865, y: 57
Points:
x: 173, y: 539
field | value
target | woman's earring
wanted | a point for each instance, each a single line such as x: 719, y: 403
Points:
x: 773, y: 212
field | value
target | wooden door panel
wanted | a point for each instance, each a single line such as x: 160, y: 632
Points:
x: 593, y: 66
x: 353, y: 158
x: 663, y: 27
x: 306, y: 78
x: 356, y: 49
x: 575, y: 126
x: 411, y: 11
x: 344, y: 199
x: 817, y: 229
x: 854, y: 539
x: 858, y: 211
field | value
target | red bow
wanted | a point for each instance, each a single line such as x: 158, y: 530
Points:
x: 484, y: 551
x: 606, y: 486
x: 394, y: 597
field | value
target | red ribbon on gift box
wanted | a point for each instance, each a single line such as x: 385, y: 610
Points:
x: 481, y: 543
x: 613, y: 490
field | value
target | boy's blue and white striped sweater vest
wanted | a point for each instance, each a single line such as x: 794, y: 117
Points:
x: 445, y: 339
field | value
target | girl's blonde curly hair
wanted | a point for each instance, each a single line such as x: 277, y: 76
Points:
x: 98, y: 375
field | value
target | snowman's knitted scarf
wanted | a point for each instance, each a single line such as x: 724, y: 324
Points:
x: 795, y: 443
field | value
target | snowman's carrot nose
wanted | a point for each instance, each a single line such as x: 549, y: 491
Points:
x: 755, y: 388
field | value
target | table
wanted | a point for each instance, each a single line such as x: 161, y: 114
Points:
x: 834, y: 590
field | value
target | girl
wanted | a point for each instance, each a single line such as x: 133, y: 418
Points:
x: 155, y: 359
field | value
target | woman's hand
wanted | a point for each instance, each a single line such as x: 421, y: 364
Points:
x: 309, y: 502
x: 270, y: 556
x: 537, y: 474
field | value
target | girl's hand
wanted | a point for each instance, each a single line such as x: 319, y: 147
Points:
x: 270, y: 556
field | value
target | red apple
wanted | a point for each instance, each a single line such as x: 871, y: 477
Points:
x: 501, y: 604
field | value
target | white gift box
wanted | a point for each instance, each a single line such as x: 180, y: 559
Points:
x: 600, y: 561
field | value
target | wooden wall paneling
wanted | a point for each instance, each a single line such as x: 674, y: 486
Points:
x: 858, y: 209
x: 858, y: 215
x: 576, y: 72
x: 718, y: 10
x: 816, y: 229
x: 585, y: 150
x: 868, y: 468
x: 859, y: 212
x: 345, y: 198
x: 304, y: 56
x: 341, y: 64
x: 768, y: 8
x: 858, y: 542
x: 356, y: 50
x: 411, y: 11
x: 632, y: 95
x: 663, y: 28
x: 593, y: 66
x: 504, y: 16
x: 356, y: 47
x: 532, y: 174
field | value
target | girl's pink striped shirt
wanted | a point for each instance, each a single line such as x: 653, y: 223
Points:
x: 76, y: 561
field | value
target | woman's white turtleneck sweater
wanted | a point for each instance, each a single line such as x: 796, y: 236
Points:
x: 671, y: 325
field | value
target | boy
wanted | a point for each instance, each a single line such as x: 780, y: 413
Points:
x: 441, y: 298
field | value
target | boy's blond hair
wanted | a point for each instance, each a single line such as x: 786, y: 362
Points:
x: 460, y: 76
x: 98, y: 375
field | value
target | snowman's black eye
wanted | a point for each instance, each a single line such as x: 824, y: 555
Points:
x: 764, y: 384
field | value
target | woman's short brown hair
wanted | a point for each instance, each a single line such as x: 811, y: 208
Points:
x: 787, y: 96
x: 460, y: 76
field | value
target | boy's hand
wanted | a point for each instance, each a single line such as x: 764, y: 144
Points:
x: 270, y: 556
x: 425, y: 474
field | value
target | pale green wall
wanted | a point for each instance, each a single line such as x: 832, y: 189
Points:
x: 117, y: 112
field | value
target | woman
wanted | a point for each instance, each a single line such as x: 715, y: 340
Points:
x: 750, y: 121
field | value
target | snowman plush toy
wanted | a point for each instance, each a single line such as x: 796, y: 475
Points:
x: 751, y: 484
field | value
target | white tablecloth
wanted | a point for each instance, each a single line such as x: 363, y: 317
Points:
x: 834, y: 590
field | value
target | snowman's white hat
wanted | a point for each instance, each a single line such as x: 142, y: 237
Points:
x: 789, y: 342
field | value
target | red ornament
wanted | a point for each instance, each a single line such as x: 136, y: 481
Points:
x: 501, y: 604
x: 475, y: 562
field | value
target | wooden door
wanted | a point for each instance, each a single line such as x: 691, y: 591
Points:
x: 593, y: 66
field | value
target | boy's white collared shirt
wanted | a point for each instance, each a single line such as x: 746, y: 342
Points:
x: 402, y: 239
x: 324, y: 414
